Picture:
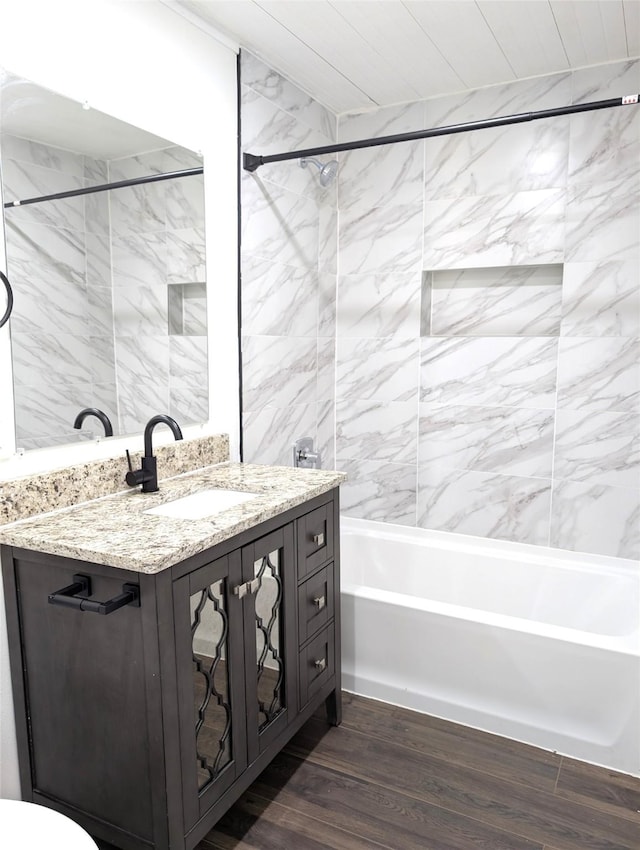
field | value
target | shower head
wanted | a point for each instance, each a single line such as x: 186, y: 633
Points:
x: 328, y: 170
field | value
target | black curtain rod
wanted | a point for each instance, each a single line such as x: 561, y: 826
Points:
x: 251, y: 162
x: 104, y: 187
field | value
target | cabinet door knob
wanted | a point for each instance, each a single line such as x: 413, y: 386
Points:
x: 320, y: 664
x: 319, y: 602
x: 318, y: 539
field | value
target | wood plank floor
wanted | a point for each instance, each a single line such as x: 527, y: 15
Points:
x: 391, y: 778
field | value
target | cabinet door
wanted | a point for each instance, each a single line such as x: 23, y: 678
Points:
x: 210, y: 677
x: 268, y: 568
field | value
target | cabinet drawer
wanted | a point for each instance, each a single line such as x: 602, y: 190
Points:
x: 315, y: 601
x: 315, y: 539
x: 317, y: 664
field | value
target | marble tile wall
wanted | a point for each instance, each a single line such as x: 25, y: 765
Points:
x: 93, y: 277
x: 58, y: 260
x: 472, y: 396
x: 158, y: 253
x: 288, y: 266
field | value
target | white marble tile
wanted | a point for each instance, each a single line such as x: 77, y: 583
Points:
x: 595, y: 518
x: 100, y: 311
x: 599, y: 374
x: 385, y: 492
x: 601, y: 298
x: 177, y: 158
x: 184, y: 198
x: 378, y: 369
x: 271, y: 85
x: 372, y: 430
x: 496, y: 161
x: 138, y: 209
x: 102, y: 363
x: 326, y: 433
x: 531, y: 95
x: 327, y: 238
x: 499, y: 506
x: 278, y: 300
x: 380, y: 176
x: 47, y: 411
x: 278, y: 224
x: 42, y: 155
x: 138, y: 403
x: 278, y: 372
x: 605, y: 145
x: 40, y: 359
x: 598, y: 448
x: 142, y: 359
x: 188, y: 361
x: 95, y: 171
x: 139, y: 259
x: 326, y: 389
x: 140, y: 310
x: 379, y: 305
x: 601, y: 82
x: 185, y: 255
x: 487, y: 439
x: 385, y: 121
x: 507, y: 371
x: 97, y: 213
x: 327, y: 294
x: 23, y: 181
x: 140, y: 165
x: 50, y: 306
x: 98, y: 259
x: 381, y: 239
x: 269, y: 434
x: 603, y: 221
x: 511, y: 301
x: 44, y: 256
x: 188, y: 405
x: 265, y: 127
x: 517, y: 229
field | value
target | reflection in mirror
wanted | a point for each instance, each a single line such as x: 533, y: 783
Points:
x: 109, y: 287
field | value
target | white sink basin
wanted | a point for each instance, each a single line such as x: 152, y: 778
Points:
x: 202, y: 504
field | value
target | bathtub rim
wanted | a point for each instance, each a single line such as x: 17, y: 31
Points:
x: 626, y: 644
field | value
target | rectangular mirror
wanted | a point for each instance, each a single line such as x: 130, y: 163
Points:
x: 109, y: 286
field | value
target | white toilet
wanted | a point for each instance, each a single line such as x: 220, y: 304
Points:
x: 27, y: 826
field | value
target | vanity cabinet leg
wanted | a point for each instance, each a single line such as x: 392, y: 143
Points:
x: 333, y: 706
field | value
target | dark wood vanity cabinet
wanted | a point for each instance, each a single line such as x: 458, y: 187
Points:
x: 146, y: 724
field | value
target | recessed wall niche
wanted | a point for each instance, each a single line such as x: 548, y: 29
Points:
x: 496, y: 301
x: 187, y: 309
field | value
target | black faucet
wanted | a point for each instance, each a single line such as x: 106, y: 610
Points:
x: 99, y: 414
x: 147, y: 475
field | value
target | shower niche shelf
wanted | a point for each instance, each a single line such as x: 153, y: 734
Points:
x: 492, y: 301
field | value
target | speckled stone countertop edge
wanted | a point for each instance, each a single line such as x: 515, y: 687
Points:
x: 116, y: 531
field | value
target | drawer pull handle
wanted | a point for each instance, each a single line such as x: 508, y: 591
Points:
x: 318, y: 539
x: 320, y: 602
x: 67, y: 597
x: 246, y: 587
x: 320, y: 664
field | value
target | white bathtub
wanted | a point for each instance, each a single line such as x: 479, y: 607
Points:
x: 536, y: 644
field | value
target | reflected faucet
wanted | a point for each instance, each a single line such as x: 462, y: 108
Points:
x: 147, y: 475
x: 99, y: 414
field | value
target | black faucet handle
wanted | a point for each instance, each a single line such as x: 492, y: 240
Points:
x: 129, y: 464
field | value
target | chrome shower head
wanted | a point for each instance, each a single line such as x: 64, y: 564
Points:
x: 328, y: 170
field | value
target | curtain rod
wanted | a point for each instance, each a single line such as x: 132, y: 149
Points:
x: 251, y: 162
x: 89, y: 190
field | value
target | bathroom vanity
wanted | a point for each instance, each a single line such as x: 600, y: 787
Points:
x: 161, y: 657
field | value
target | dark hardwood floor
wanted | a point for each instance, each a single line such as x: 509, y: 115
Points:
x: 391, y: 778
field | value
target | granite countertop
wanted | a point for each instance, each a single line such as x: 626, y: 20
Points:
x: 116, y: 531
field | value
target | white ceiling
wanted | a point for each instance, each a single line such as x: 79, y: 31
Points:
x: 357, y: 54
x: 32, y: 112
